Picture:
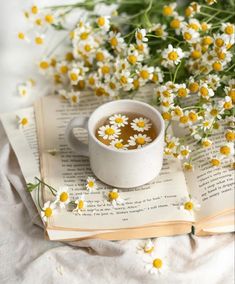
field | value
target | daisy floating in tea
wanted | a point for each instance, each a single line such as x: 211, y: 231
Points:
x: 126, y: 131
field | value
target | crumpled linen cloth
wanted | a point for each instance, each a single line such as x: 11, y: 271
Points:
x: 26, y: 257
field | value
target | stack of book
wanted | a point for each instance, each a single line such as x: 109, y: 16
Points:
x: 148, y: 211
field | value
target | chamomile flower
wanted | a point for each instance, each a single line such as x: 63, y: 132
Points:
x: 22, y: 120
x: 206, y: 124
x: 92, y: 80
x: 177, y: 24
x: 172, y: 56
x: 159, y: 30
x: 188, y: 166
x: 63, y: 67
x: 156, y: 264
x: 228, y: 29
x: 39, y: 39
x: 81, y: 205
x: 172, y: 142
x: 103, y: 23
x: 145, y: 73
x: 119, y: 120
x: 23, y: 90
x: 91, y: 184
x: 229, y: 135
x: 214, y: 111
x: 140, y: 35
x: 133, y: 56
x: 190, y: 35
x: 141, y: 124
x: 176, y: 113
x: 118, y: 144
x: 139, y: 140
x: 48, y: 210
x: 193, y: 85
x: 109, y: 132
x: 182, y: 90
x: 227, y: 103
x: 205, y: 92
x: 114, y: 197
x: 116, y: 41
x: 227, y: 149
x: 145, y: 247
x: 169, y: 10
x: 184, y: 152
x: 157, y: 75
x: 73, y: 97
x: 125, y: 80
x: 189, y: 204
x: 184, y: 120
x: 22, y: 36
x: 216, y: 161
x: 205, y: 143
x: 74, y: 76
x: 62, y: 197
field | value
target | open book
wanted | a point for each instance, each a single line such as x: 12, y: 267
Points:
x: 149, y: 211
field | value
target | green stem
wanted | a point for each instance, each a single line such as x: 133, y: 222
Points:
x: 176, y: 71
x: 218, y: 10
x: 53, y: 190
x: 170, y: 37
x: 39, y: 199
x: 226, y: 70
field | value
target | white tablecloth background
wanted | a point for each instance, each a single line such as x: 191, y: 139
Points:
x: 25, y: 257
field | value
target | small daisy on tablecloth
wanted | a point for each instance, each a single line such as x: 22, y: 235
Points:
x: 80, y: 205
x: 145, y: 247
x: 141, y: 124
x: 114, y: 197
x: 91, y: 184
x: 156, y: 264
x: 118, y: 120
x: 109, y: 132
x: 62, y: 196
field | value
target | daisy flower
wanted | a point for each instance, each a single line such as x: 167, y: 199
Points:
x: 177, y: 23
x: 169, y: 10
x: 62, y: 197
x: 227, y: 150
x: 104, y: 23
x: 73, y: 97
x: 39, y: 39
x: 140, y: 35
x: 230, y: 135
x: 159, y: 30
x: 177, y: 112
x: 48, y: 210
x: 141, y: 124
x: 125, y: 80
x: 184, y: 152
x: 172, y: 142
x: 157, y: 75
x: 23, y: 90
x: 133, y: 55
x: 190, y: 35
x: 187, y: 166
x: 205, y: 142
x: 23, y: 121
x: 91, y: 184
x: 214, y: 111
x: 215, y: 161
x: 44, y: 66
x: 109, y: 132
x: 118, y: 144
x: 145, y: 247
x: 189, y: 204
x: 74, y: 76
x: 22, y: 36
x: 116, y: 41
x: 81, y: 205
x: 228, y: 29
x: 172, y: 56
x: 156, y: 264
x: 227, y: 103
x: 140, y: 140
x: 145, y: 73
x: 118, y: 120
x: 114, y: 197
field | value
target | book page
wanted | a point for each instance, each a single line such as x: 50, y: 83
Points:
x: 24, y: 143
x: 154, y: 202
x: 213, y: 187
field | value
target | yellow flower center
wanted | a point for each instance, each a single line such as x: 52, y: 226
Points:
x: 204, y: 91
x: 173, y: 55
x: 105, y: 69
x: 225, y: 150
x: 157, y: 263
x: 193, y: 87
x: 87, y: 47
x: 38, y: 40
x: 34, y: 10
x: 187, y: 36
x: 21, y: 36
x: 48, y: 212
x: 91, y: 183
x: 148, y: 250
x: 207, y: 40
x: 123, y: 80
x: 53, y: 62
x: 188, y: 167
x: 214, y: 112
x: 184, y: 152
x: 217, y: 66
x: 69, y: 56
x: 219, y: 42
x: 182, y: 92
x: 166, y: 94
x: 139, y: 36
x: 109, y: 131
x: 159, y: 32
x: 167, y: 11
x: 136, y: 83
x: 84, y: 35
x: 140, y: 141
x: 74, y: 99
x: 175, y: 24
x: 113, y: 195
x: 80, y: 204
x: 184, y: 119
x: 194, y: 26
x: 206, y: 143
x: 165, y: 104
x: 101, y: 21
x: 24, y: 121
x: 188, y: 11
x: 221, y: 55
x: 155, y: 77
x: 81, y: 84
x: 204, y: 26
x: 195, y: 54
x: 73, y: 76
x: 178, y: 112
x: 91, y: 81
x: 44, y: 65
x: 188, y: 205
x: 230, y: 136
x: 228, y: 105
x: 166, y: 115
x: 144, y: 74
x: 215, y: 162
x: 100, y: 91
x: 38, y: 22
x: 192, y: 116
x: 229, y: 30
x: 119, y: 145
x: 141, y: 124
x: 132, y: 59
x: 118, y: 120
x: 99, y: 56
x: 171, y: 145
x: 64, y: 69
x: 112, y: 85
x: 49, y: 19
x: 114, y: 41
x: 64, y: 196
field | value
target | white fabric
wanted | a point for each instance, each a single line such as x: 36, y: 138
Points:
x: 26, y: 257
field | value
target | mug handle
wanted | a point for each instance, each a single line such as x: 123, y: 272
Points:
x: 76, y: 145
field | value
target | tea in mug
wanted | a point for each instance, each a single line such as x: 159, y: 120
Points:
x: 126, y: 131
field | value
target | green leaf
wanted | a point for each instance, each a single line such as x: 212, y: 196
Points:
x: 30, y: 187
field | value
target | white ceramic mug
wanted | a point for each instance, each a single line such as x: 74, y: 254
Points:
x: 119, y: 168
